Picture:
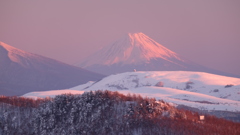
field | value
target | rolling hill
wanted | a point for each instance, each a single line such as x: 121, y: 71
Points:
x: 194, y: 89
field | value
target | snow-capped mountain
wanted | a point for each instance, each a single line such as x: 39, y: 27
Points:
x: 194, y: 89
x: 133, y: 48
x: 22, y: 72
x: 140, y: 52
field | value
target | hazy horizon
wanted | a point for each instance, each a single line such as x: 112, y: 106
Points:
x: 206, y: 32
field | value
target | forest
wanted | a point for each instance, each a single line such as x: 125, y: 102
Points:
x: 104, y: 113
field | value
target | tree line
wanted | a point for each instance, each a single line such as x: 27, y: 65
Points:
x: 104, y: 112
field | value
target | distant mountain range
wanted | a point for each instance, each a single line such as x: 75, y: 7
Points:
x: 22, y: 72
x: 140, y: 52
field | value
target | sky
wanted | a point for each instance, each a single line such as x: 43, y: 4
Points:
x: 206, y: 32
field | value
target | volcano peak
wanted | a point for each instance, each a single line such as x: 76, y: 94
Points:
x: 133, y: 48
x: 138, y: 51
x: 136, y: 34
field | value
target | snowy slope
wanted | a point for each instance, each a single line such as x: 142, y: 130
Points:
x: 51, y: 93
x: 195, y: 89
x: 191, y: 99
x: 199, y: 82
x: 83, y: 86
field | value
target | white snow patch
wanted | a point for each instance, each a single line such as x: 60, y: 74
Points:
x: 51, y: 93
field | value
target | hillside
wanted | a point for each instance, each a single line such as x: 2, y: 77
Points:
x: 23, y: 72
x: 105, y: 112
x: 194, y: 89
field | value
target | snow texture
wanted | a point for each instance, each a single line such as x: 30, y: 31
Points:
x: 195, y: 89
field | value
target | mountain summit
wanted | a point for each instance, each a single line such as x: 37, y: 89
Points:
x: 22, y: 72
x: 140, y: 52
x: 133, y: 48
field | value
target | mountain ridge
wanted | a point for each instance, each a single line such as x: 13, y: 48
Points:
x: 22, y: 72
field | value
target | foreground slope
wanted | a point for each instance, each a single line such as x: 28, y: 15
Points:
x: 198, y: 82
x: 140, y: 52
x: 194, y: 89
x: 105, y: 113
x: 22, y: 72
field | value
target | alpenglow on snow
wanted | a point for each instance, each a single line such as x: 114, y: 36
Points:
x: 140, y: 52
